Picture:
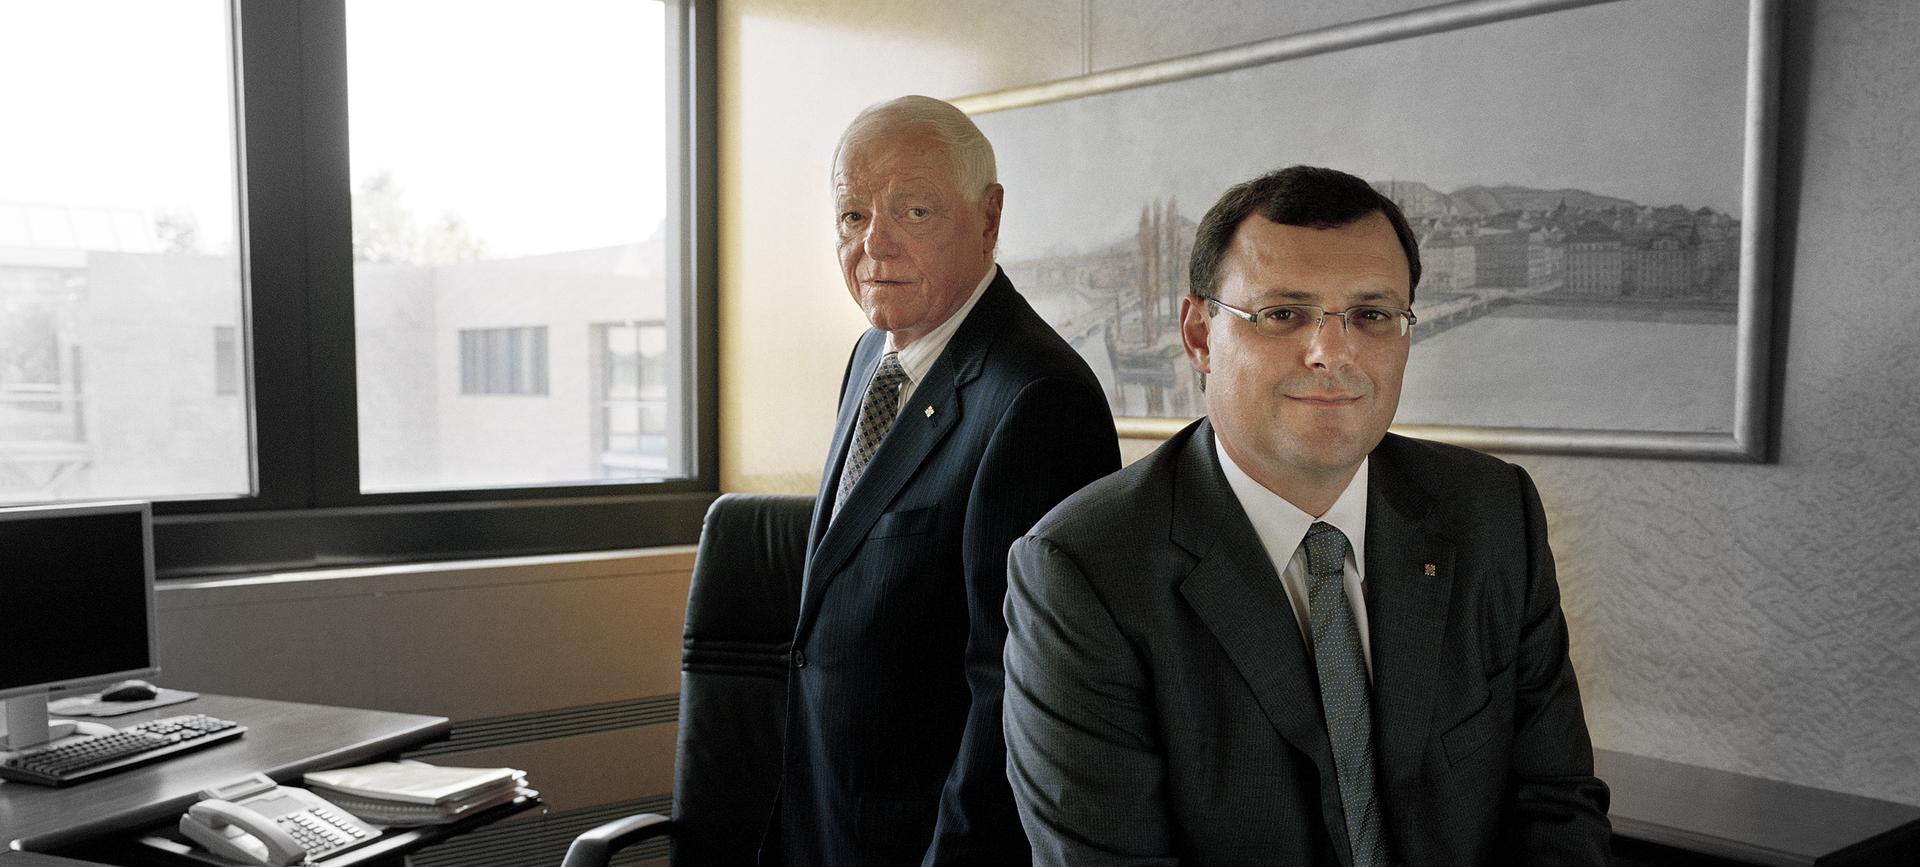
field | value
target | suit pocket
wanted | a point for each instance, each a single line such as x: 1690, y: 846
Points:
x: 911, y: 522
x: 1472, y: 733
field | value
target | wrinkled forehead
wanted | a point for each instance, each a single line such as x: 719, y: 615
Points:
x: 893, y: 159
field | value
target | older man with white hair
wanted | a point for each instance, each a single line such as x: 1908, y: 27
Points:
x: 963, y: 418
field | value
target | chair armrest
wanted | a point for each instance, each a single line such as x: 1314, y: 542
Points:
x: 595, y: 847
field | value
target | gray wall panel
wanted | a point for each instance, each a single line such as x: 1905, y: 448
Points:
x: 551, y: 655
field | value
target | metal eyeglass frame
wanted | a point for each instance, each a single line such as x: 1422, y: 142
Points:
x: 1406, y: 317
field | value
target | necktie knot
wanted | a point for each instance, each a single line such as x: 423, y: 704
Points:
x: 1326, y: 549
x: 877, y: 411
x: 889, y: 375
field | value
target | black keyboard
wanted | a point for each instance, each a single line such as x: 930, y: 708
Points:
x: 136, y: 744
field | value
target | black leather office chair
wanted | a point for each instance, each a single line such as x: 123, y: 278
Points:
x: 733, y: 687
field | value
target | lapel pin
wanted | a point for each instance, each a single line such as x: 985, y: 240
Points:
x: 929, y: 411
x: 1430, y: 570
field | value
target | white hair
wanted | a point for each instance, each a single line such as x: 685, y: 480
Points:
x: 967, y: 149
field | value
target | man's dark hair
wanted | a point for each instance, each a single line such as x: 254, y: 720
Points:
x: 1307, y: 196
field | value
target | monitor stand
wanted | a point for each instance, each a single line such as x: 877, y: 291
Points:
x: 28, y: 724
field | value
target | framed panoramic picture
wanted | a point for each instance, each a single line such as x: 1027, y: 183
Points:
x: 1591, y: 183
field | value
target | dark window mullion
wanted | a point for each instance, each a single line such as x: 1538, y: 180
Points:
x: 334, y: 399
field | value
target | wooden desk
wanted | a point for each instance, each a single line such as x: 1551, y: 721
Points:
x: 283, y: 741
x: 1670, y: 813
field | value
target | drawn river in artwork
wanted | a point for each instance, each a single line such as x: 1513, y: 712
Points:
x: 1578, y: 366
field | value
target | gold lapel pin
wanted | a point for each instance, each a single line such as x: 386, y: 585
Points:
x: 929, y: 411
x: 1430, y: 570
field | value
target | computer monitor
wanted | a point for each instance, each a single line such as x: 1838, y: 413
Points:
x: 76, y: 606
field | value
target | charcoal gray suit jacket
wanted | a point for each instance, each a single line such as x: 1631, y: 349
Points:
x: 1162, y: 707
x: 893, y: 742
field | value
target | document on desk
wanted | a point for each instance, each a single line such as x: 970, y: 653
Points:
x: 413, y: 782
x: 399, y: 815
x: 416, y: 793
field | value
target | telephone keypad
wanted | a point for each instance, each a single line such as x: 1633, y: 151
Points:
x: 317, y: 835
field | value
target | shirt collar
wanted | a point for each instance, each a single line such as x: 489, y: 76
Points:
x: 1282, y: 525
x: 919, y: 355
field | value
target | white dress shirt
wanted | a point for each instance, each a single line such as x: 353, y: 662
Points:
x: 1282, y: 528
x: 920, y: 355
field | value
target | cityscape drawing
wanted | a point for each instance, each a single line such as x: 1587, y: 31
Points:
x: 1484, y: 250
x: 1576, y: 178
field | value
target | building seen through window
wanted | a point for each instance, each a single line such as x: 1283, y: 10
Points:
x: 117, y: 254
x: 517, y: 322
x: 503, y: 214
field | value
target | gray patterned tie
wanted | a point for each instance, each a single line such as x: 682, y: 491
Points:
x: 876, y: 416
x: 1343, y: 692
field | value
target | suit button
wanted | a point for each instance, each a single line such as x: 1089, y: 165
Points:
x: 799, y: 659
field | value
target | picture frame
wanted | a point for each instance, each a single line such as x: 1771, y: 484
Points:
x: 1592, y: 182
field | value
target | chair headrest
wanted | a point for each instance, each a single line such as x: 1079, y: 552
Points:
x: 747, y: 572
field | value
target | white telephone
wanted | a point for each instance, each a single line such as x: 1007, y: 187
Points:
x: 257, y: 821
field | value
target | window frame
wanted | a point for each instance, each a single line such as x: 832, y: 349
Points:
x: 290, y: 74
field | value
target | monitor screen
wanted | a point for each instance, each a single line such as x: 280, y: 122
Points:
x: 76, y: 596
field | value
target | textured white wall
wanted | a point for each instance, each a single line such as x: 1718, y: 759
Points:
x: 1756, y: 618
x: 1766, y: 618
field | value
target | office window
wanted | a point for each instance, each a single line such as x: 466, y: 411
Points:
x: 118, y: 241
x: 630, y: 423
x: 503, y: 360
x: 349, y: 196
x: 532, y: 191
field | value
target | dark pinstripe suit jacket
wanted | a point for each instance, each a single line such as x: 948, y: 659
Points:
x: 894, y: 752
x: 1162, y: 708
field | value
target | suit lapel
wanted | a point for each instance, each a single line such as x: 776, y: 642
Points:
x: 906, y: 447
x: 1409, y: 585
x: 1238, y: 595
x: 852, y: 393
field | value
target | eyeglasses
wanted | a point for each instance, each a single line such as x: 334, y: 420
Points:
x: 1300, y: 321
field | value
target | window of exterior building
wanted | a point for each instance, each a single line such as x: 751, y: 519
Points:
x: 226, y: 360
x: 630, y: 424
x: 503, y: 360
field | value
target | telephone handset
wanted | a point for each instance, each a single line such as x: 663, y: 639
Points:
x: 256, y: 821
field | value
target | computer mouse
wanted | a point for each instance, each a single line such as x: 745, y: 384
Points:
x: 130, y: 690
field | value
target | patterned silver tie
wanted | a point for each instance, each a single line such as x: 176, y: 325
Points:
x: 876, y: 416
x: 1343, y: 692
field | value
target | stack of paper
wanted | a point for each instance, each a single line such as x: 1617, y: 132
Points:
x: 416, y: 793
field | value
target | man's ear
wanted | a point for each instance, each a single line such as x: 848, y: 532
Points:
x: 991, y: 201
x: 1194, y: 332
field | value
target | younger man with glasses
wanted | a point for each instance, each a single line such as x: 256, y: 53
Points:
x: 1288, y: 636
